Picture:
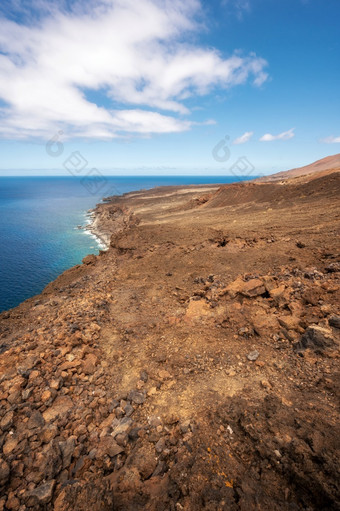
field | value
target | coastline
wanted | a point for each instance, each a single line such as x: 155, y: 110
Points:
x: 154, y: 371
x: 91, y: 229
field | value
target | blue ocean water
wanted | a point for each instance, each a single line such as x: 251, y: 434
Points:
x: 38, y: 225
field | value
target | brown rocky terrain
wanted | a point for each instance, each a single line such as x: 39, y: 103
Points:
x: 194, y: 365
x: 325, y: 166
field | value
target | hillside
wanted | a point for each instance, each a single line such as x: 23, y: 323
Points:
x: 326, y: 165
x: 193, y: 366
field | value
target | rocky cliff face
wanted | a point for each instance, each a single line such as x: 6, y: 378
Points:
x: 193, y: 365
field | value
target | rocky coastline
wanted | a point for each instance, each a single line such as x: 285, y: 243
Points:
x: 191, y: 365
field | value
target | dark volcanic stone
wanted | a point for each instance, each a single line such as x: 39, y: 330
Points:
x: 41, y: 495
x: 315, y: 338
x: 333, y: 267
x: 334, y: 321
x: 137, y: 397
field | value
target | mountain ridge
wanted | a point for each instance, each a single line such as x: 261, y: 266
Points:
x: 324, y: 165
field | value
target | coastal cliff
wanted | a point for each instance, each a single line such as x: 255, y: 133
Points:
x: 193, y: 365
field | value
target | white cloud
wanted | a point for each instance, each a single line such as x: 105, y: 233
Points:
x: 330, y: 140
x: 286, y: 135
x: 133, y: 53
x: 243, y: 138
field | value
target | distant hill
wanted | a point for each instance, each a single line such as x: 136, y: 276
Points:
x: 326, y: 165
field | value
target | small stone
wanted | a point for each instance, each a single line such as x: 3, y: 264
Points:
x: 56, y: 383
x: 48, y: 433
x: 26, y: 393
x: 12, y: 502
x: 89, y: 364
x: 10, y: 444
x: 253, y: 355
x: 114, y: 404
x: 46, y: 396
x: 160, y: 445
x: 163, y: 374
x: 334, y: 321
x: 119, y: 412
x: 229, y: 429
x: 333, y: 267
x: 160, y: 469
x: 108, y: 446
x: 41, y: 495
x: 67, y: 450
x: 277, y: 453
x: 154, y: 421
x: 123, y: 426
x: 7, y: 421
x: 144, y: 376
x: 184, y: 427
x: 34, y: 375
x: 129, y: 409
x: 4, y: 472
x: 137, y: 397
x: 59, y: 408
x: 122, y: 439
x: 134, y: 433
x: 36, y: 420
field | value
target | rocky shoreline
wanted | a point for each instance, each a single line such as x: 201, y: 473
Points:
x: 193, y: 365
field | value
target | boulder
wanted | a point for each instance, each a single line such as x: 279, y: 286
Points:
x: 316, y: 338
x: 251, y: 288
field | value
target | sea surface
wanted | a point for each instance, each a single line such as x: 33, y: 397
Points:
x: 38, y: 225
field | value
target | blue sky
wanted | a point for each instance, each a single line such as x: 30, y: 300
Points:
x: 161, y: 87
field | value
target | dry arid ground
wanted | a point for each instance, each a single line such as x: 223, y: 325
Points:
x: 193, y: 366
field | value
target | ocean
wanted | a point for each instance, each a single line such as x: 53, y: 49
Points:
x: 38, y: 225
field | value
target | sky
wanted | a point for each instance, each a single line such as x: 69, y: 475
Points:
x: 168, y: 86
